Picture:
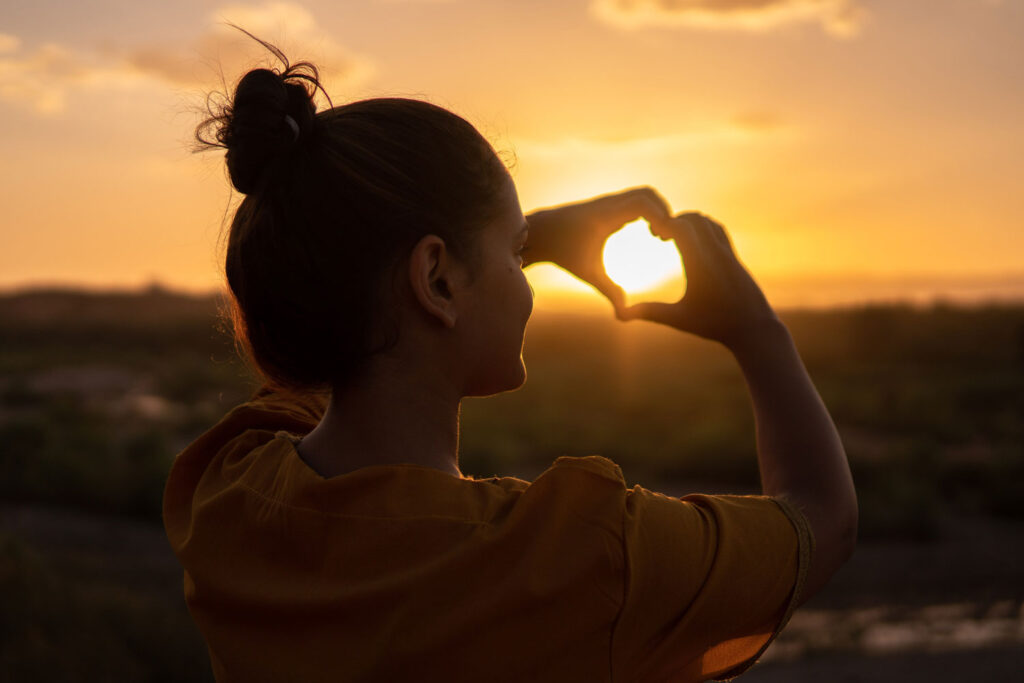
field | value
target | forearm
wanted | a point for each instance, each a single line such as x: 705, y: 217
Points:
x: 800, y: 454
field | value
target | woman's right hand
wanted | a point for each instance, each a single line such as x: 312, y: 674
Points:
x: 722, y: 302
x: 799, y: 452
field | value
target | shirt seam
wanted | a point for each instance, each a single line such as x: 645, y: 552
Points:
x: 625, y: 589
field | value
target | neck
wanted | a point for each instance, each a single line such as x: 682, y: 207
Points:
x: 389, y: 417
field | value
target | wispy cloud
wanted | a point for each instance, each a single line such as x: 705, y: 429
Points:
x: 840, y: 18
x: 42, y: 76
x: 740, y: 128
x: 8, y: 43
x: 222, y: 48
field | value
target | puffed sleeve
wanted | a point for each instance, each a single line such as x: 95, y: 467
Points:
x: 709, y: 582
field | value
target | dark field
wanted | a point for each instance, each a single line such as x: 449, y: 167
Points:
x: 98, y: 392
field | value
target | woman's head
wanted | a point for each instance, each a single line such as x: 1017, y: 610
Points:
x: 337, y: 202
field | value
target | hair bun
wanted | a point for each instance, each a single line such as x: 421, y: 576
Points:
x: 255, y: 132
x: 270, y: 116
x: 252, y: 126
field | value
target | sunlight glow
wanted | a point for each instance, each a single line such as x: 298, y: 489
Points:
x: 638, y: 261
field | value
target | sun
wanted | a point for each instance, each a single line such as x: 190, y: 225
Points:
x: 639, y: 262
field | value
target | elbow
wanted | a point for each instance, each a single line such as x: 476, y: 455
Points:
x: 834, y: 518
x: 843, y: 523
x: 834, y: 525
x: 847, y: 535
x: 842, y: 534
x: 835, y: 542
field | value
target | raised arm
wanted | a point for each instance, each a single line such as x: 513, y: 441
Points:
x: 800, y: 455
x: 572, y: 236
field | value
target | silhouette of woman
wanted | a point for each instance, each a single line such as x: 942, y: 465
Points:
x: 325, y: 530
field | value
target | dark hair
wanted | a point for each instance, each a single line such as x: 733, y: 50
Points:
x: 334, y: 199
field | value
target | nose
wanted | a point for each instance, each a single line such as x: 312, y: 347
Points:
x: 529, y: 304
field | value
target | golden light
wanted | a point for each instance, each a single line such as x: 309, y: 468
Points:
x: 638, y: 261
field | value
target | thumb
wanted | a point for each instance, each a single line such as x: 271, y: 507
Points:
x: 612, y: 292
x: 654, y: 311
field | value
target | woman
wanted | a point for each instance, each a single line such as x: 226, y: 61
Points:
x: 326, y: 532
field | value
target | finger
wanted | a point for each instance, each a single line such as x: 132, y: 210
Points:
x: 611, y: 291
x: 684, y: 229
x: 667, y: 230
x: 708, y: 236
x: 719, y: 232
x: 640, y: 202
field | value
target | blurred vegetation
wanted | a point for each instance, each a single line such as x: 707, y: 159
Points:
x: 99, y: 391
x: 929, y: 402
x: 56, y: 627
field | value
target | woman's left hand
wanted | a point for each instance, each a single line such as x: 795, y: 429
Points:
x: 572, y: 236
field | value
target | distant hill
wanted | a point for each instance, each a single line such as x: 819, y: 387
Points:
x: 158, y: 319
x: 150, y: 306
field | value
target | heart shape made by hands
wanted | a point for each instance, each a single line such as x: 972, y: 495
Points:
x: 647, y: 268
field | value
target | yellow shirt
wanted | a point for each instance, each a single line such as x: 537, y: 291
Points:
x: 404, y: 572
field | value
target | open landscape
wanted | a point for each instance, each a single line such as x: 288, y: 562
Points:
x: 861, y: 158
x: 99, y: 391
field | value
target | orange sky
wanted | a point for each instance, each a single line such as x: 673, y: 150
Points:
x: 854, y: 149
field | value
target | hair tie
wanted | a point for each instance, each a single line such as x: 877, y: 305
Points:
x: 293, y: 125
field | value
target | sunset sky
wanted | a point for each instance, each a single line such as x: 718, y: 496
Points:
x: 853, y: 148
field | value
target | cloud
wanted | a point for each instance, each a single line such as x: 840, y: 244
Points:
x: 741, y: 128
x: 9, y: 43
x: 840, y: 18
x: 223, y: 49
x: 42, y: 77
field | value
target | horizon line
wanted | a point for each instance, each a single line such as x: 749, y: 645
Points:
x: 975, y: 291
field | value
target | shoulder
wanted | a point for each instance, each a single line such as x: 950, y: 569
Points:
x: 245, y: 428
x: 591, y: 483
x: 575, y: 498
x: 586, y: 467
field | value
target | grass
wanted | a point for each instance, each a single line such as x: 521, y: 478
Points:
x: 98, y: 393
x: 930, y: 402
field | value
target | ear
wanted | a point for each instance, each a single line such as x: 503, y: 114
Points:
x: 430, y: 275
